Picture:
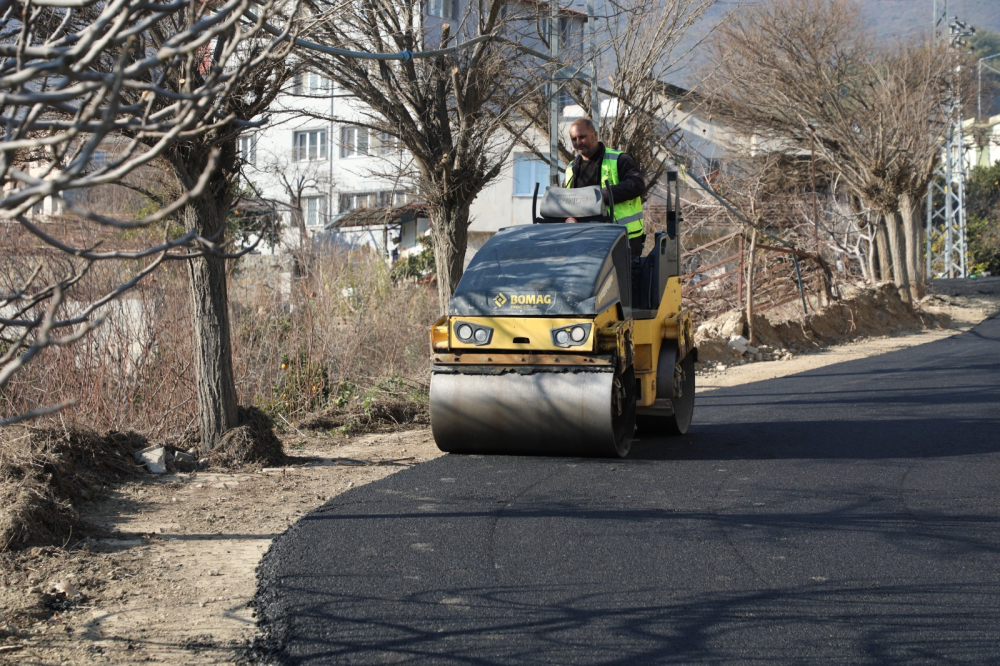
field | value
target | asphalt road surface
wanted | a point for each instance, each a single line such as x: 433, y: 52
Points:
x: 849, y: 514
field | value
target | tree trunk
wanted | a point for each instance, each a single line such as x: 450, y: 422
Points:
x: 911, y: 231
x: 213, y: 352
x: 862, y: 253
x: 867, y: 262
x: 882, y: 248
x: 897, y: 248
x: 297, y: 214
x: 451, y: 239
x: 299, y: 220
x: 751, y: 265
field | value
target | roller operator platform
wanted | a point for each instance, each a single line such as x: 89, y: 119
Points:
x: 557, y: 342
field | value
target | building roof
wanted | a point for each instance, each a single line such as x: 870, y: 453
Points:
x: 563, y: 11
x: 376, y: 217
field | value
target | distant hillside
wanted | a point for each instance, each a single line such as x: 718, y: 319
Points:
x: 901, y: 18
x: 891, y: 19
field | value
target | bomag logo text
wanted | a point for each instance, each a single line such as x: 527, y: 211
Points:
x: 520, y: 301
x: 531, y: 299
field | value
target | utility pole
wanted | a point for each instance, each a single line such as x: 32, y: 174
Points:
x: 554, y: 86
x: 563, y: 74
x: 595, y: 105
x: 947, y: 220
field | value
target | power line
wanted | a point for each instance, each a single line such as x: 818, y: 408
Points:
x: 364, y: 55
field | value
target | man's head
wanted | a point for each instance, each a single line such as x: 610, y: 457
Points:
x: 583, y: 134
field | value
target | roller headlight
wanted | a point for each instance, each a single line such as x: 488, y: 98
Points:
x: 574, y: 335
x: 474, y: 334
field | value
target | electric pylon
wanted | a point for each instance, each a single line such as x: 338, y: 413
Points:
x: 945, y: 238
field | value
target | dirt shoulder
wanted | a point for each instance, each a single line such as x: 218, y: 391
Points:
x: 165, y: 569
x: 167, y: 566
x: 962, y: 313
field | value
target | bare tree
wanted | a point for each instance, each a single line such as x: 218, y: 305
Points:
x: 782, y: 66
x: 154, y: 80
x: 255, y: 63
x: 446, y: 110
x: 639, y: 47
x: 296, y: 179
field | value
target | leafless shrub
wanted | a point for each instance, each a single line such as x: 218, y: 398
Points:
x: 341, y: 334
x: 133, y: 373
x: 343, y: 327
x: 131, y: 80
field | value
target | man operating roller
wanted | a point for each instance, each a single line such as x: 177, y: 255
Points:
x: 615, y: 172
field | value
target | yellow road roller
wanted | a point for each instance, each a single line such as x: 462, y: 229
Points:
x: 557, y: 342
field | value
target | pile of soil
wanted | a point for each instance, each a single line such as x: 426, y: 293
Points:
x: 863, y: 313
x: 253, y: 443
x: 45, y: 473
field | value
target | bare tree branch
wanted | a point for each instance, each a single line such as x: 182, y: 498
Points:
x: 138, y: 83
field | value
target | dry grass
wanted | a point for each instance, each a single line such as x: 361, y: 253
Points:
x: 386, y: 406
x: 342, y: 328
x: 318, y: 337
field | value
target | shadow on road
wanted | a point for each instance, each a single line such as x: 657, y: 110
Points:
x: 899, y: 438
x: 874, y: 624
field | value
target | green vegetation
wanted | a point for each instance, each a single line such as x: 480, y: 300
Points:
x: 982, y: 200
x: 416, y: 266
x: 984, y: 43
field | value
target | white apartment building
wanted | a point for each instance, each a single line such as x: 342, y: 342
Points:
x: 982, y: 142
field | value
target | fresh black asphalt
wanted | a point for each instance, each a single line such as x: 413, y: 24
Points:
x: 846, y: 515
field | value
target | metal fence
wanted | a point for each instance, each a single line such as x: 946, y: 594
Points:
x: 715, y: 276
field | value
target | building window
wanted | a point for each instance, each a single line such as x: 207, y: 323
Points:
x: 309, y: 145
x: 310, y: 83
x: 443, y: 8
x: 529, y: 170
x: 386, y: 143
x: 248, y: 149
x: 314, y: 211
x: 353, y: 141
x: 99, y: 158
x: 570, y: 37
x: 565, y: 99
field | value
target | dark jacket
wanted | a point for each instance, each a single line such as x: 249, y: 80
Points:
x: 630, y: 181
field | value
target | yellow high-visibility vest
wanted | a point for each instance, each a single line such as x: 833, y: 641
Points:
x: 628, y: 213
